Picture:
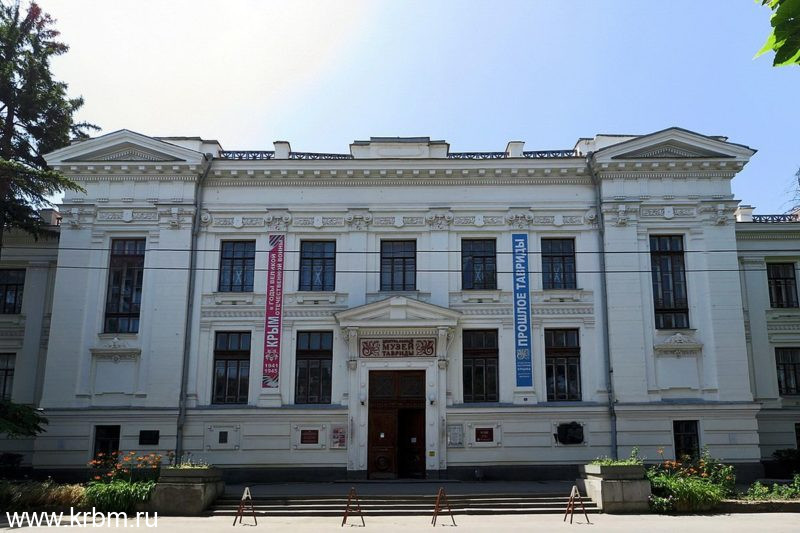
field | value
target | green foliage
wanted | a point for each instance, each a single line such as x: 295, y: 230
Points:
x: 785, y: 37
x: 186, y: 460
x: 40, y: 496
x: 633, y: 460
x: 18, y: 420
x: 118, y: 495
x: 758, y: 491
x: 36, y: 116
x: 690, y: 485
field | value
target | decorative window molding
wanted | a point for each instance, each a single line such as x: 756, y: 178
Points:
x: 678, y: 345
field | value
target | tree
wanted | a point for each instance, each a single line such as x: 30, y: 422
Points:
x: 20, y: 420
x: 785, y: 36
x: 36, y: 116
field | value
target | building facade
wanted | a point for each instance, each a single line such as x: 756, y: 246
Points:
x: 403, y: 310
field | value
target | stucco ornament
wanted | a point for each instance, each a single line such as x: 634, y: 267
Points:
x: 519, y: 220
x: 678, y: 345
x: 358, y: 221
x: 439, y: 221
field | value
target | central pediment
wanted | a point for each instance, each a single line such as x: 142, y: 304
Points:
x: 397, y: 311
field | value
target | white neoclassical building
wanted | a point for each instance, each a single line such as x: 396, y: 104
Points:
x: 403, y: 310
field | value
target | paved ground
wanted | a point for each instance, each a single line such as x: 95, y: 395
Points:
x: 406, y: 488
x: 773, y: 523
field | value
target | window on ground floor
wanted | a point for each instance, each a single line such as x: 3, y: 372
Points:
x: 106, y: 439
x: 6, y: 374
x: 231, y: 366
x: 563, y: 364
x: 797, y: 435
x: 787, y: 362
x: 480, y: 366
x: 314, y: 359
x: 687, y: 438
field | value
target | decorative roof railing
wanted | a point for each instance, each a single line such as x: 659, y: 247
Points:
x: 318, y: 156
x: 247, y: 155
x: 536, y: 154
x: 791, y: 217
x: 549, y: 154
x: 476, y: 155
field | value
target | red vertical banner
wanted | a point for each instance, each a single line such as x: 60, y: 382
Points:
x: 273, y: 313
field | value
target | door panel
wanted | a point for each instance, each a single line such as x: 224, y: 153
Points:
x: 411, y: 443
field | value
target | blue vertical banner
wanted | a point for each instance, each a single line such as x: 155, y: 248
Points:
x: 522, y: 310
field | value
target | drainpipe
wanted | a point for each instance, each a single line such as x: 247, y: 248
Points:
x: 187, y: 327
x: 598, y: 199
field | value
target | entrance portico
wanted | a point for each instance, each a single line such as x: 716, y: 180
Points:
x: 395, y: 337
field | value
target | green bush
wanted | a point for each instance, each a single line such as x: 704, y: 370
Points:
x: 118, y: 495
x: 685, y: 494
x: 757, y: 491
x: 632, y: 460
x: 41, y: 496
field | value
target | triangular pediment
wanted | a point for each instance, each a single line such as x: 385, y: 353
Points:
x: 674, y: 143
x: 398, y: 311
x: 123, y: 146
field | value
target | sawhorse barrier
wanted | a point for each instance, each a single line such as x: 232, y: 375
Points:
x: 441, y: 498
x: 573, y: 495
x: 353, y: 496
x: 246, y: 500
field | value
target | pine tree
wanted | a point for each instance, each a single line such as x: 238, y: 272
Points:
x: 36, y: 116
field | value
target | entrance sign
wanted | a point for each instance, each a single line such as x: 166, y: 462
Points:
x: 274, y: 312
x: 398, y: 347
x: 522, y: 310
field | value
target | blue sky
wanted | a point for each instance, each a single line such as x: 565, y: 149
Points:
x: 477, y: 74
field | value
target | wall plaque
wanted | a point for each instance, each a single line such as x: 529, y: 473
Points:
x: 309, y: 436
x: 484, y: 434
x: 397, y: 348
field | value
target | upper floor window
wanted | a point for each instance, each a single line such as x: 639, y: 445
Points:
x: 669, y: 281
x: 317, y: 265
x: 314, y: 359
x: 11, y: 285
x: 563, y: 364
x: 124, y: 297
x: 478, y: 264
x: 788, y: 365
x: 398, y: 265
x: 480, y: 366
x: 6, y: 374
x: 231, y: 366
x: 558, y: 264
x: 782, y: 285
x: 236, y: 266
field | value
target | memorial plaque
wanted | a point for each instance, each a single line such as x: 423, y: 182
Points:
x: 484, y: 434
x: 309, y: 436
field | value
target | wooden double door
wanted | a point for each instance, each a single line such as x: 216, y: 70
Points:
x: 396, y: 445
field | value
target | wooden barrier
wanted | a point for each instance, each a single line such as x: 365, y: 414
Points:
x: 353, y: 496
x: 246, y: 499
x: 574, y: 493
x: 441, y: 498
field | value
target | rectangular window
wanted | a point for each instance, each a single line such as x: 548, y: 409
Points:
x: 480, y: 366
x: 106, y: 439
x: 788, y: 365
x: 11, y: 285
x: 317, y: 265
x: 231, y: 366
x: 6, y: 374
x: 782, y: 285
x: 398, y: 265
x: 669, y: 281
x: 478, y: 264
x: 237, y: 264
x: 314, y: 359
x: 562, y: 364
x: 149, y: 437
x: 687, y: 439
x: 797, y: 435
x: 125, y: 275
x: 558, y: 264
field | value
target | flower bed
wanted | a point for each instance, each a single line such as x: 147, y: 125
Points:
x: 690, y: 485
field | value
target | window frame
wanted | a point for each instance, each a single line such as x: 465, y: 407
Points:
x: 325, y: 258
x: 485, y: 360
x: 246, y: 264
x: 14, y: 307
x: 8, y: 364
x: 304, y: 357
x: 566, y: 355
x: 695, y: 435
x: 242, y: 358
x: 561, y: 258
x: 486, y: 257
x: 389, y: 264
x: 125, y: 262
x: 675, y: 313
x: 106, y: 439
x: 782, y: 289
x: 788, y: 370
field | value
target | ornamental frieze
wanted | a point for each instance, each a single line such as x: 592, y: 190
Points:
x: 377, y: 348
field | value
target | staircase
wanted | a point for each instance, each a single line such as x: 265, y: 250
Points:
x: 402, y: 505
